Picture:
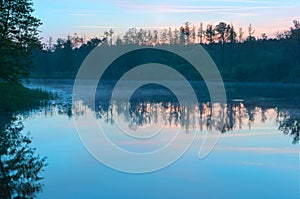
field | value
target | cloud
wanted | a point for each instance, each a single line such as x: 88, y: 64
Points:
x: 163, y: 8
x: 81, y: 14
x: 268, y: 150
x: 98, y: 27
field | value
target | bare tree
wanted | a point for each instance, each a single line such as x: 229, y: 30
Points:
x: 241, y: 34
x: 200, y: 33
x: 111, y: 33
x: 155, y: 37
x: 170, y: 36
x: 176, y: 36
x: 164, y: 36
x: 251, y: 32
x: 193, y: 35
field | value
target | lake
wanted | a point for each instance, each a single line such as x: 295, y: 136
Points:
x: 256, y: 155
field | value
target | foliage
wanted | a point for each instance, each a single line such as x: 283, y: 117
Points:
x: 18, y: 38
x: 254, y: 59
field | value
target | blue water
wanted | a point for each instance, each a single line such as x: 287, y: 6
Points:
x: 252, y: 160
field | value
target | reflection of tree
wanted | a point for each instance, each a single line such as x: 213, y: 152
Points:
x: 205, y: 116
x: 290, y: 126
x: 141, y: 113
x: 235, y: 114
x: 19, y: 165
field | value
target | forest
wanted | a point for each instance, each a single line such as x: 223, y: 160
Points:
x: 239, y: 55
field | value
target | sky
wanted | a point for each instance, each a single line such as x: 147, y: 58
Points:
x: 90, y: 18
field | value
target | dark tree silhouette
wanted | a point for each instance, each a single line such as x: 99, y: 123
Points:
x: 222, y: 31
x: 231, y: 34
x: 266, y: 59
x: 209, y: 34
x: 18, y: 38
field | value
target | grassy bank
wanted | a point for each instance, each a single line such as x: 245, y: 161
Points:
x: 15, y: 98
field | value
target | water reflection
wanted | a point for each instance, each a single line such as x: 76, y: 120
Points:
x: 20, y: 166
x: 237, y: 114
x: 263, y: 159
x: 289, y: 124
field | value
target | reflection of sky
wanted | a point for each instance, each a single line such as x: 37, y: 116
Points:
x: 259, y: 163
x: 93, y: 17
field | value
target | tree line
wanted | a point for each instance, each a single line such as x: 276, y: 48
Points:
x: 238, y: 57
x: 187, y: 34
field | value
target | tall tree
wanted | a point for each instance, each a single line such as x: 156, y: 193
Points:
x: 231, y: 34
x: 200, y: 33
x: 155, y: 37
x: 164, y: 36
x: 170, y: 36
x: 241, y: 34
x: 111, y: 33
x: 176, y: 36
x: 18, y: 38
x: 232, y: 39
x: 222, y: 29
x: 210, y: 33
x: 182, y: 35
x: 185, y: 33
x: 295, y: 31
x: 193, y: 35
x: 250, y: 33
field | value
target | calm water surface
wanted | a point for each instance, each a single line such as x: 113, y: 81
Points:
x: 257, y: 155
